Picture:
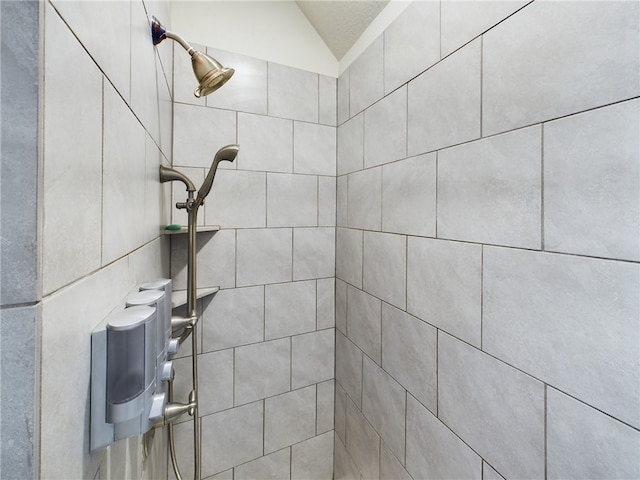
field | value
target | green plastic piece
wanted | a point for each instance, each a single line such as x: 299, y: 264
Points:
x: 173, y: 227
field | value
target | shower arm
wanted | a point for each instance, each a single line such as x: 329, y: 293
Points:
x: 174, y: 36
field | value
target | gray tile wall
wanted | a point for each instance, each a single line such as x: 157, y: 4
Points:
x: 270, y: 403
x: 19, y: 214
x: 487, y: 275
x: 107, y: 127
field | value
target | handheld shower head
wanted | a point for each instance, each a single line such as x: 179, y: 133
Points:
x: 211, y: 75
x: 228, y: 154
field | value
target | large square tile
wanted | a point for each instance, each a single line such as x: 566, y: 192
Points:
x: 349, y: 256
x: 312, y: 358
x: 444, y: 286
x: 264, y: 256
x: 364, y: 322
x: 275, y: 466
x: 343, y: 97
x: 363, y: 443
x: 290, y: 309
x: 366, y: 80
x: 314, y: 149
x: 434, y: 451
x: 292, y: 200
x: 293, y: 93
x: 289, y: 418
x: 247, y: 89
x: 68, y: 182
x: 238, y: 199
x: 216, y: 257
x: 232, y: 437
x: 123, y: 171
x: 591, y: 186
x: 325, y: 404
x: 351, y: 145
x: 262, y: 370
x: 314, y: 253
x: 576, y: 327
x: 462, y: 21
x: 213, y: 129
x: 409, y: 196
x: 411, y: 43
x: 113, y: 57
x: 409, y: 354
x: 349, y: 368
x: 266, y: 143
x: 385, y: 129
x: 385, y: 267
x: 364, y: 199
x: 384, y: 405
x: 19, y: 176
x: 18, y: 330
x: 495, y: 409
x: 233, y: 317
x: 313, y: 458
x: 327, y: 190
x: 489, y: 191
x: 571, y: 49
x: 584, y: 443
x: 328, y: 100
x: 444, y: 103
x: 326, y: 303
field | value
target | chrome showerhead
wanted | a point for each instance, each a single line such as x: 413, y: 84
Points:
x: 210, y: 74
x: 228, y: 154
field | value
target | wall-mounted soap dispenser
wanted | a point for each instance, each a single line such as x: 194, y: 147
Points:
x: 130, y: 364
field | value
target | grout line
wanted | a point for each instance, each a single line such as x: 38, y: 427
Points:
x: 317, y: 200
x: 362, y: 261
x: 481, y: 294
x: 406, y: 414
x: 292, y: 248
x: 481, y: 79
x: 381, y: 366
x: 316, y: 410
x: 437, y: 373
x: 102, y: 177
x: 268, y: 63
x: 318, y: 98
x: 264, y: 313
x: 233, y: 381
x: 362, y: 355
x: 545, y: 432
x: 381, y: 196
x: 406, y: 272
x: 264, y: 425
x: 542, y: 187
x: 406, y: 123
x: 436, y: 195
x: 235, y: 277
x: 440, y: 29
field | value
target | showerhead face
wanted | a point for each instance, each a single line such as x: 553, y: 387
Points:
x: 210, y: 73
x: 227, y: 153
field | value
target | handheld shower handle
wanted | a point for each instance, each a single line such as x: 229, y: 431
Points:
x: 227, y: 153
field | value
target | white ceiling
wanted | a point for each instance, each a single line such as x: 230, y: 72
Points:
x: 340, y: 23
x: 311, y: 35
